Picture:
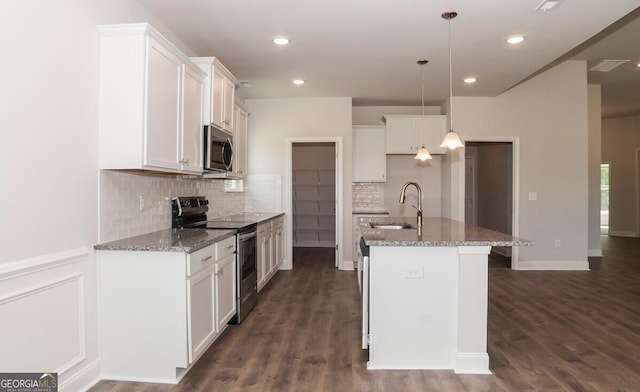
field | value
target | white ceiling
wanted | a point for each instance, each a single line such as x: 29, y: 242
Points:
x: 367, y: 49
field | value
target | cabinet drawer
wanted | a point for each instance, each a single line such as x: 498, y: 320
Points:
x: 225, y: 248
x: 200, y: 259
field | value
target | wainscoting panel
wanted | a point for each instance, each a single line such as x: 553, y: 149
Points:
x: 42, y: 313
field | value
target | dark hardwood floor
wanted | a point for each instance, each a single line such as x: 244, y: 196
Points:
x: 548, y: 331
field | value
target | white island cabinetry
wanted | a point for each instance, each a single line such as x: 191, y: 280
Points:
x: 150, y: 103
x: 161, y: 310
x: 426, y: 296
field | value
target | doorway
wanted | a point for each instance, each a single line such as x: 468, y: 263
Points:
x: 314, y: 188
x: 489, y: 191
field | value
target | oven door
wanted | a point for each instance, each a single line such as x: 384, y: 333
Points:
x: 247, y: 275
x: 219, y: 149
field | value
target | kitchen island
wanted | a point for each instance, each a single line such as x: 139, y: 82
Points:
x: 425, y: 297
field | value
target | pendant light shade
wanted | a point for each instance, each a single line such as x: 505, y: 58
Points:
x: 451, y: 139
x: 423, y: 153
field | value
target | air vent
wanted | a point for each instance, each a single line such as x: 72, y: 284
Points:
x: 607, y: 65
x: 547, y: 5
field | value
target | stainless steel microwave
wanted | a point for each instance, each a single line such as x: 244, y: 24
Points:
x: 218, y: 145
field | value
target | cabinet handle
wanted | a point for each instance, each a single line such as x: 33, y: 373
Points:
x: 230, y: 246
x: 185, y: 161
x: 202, y: 260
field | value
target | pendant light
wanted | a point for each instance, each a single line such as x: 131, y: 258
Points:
x: 423, y: 153
x: 451, y: 139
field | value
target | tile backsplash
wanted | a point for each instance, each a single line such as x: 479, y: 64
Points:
x: 368, y: 196
x: 139, y: 203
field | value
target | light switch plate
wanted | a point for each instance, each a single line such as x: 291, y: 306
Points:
x: 533, y: 195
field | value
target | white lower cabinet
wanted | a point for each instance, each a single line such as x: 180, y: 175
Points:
x: 264, y: 253
x: 160, y: 311
x: 202, y: 324
x: 270, y: 240
x: 225, y: 291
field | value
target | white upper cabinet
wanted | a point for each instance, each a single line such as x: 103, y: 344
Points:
x: 239, y: 166
x: 150, y: 103
x: 369, y: 159
x: 219, y: 93
x: 405, y: 134
x: 192, y: 135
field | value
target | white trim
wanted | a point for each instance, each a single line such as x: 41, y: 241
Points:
x: 84, y: 379
x: 348, y: 265
x: 557, y: 265
x: 472, y: 363
x: 594, y: 253
x: 515, y: 194
x: 288, y: 203
x: 41, y: 263
x: 619, y: 233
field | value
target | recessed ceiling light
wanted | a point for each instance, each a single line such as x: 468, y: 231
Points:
x: 516, y: 39
x: 470, y: 80
x: 280, y: 40
x: 547, y: 5
x: 298, y: 81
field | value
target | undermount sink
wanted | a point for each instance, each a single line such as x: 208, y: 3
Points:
x: 394, y: 226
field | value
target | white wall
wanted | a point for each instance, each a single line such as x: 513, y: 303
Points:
x: 274, y: 120
x: 49, y: 176
x: 549, y: 115
x: 50, y: 179
x: 620, y: 141
x: 403, y: 168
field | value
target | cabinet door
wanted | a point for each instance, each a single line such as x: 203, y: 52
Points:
x: 369, y: 155
x: 217, y: 99
x: 201, y: 322
x: 225, y: 285
x: 277, y: 243
x: 162, y: 131
x: 228, y: 96
x: 240, y: 142
x: 264, y: 253
x: 401, y: 135
x: 433, y: 131
x: 192, y: 131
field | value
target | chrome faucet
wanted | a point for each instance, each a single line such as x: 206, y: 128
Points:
x: 419, y: 207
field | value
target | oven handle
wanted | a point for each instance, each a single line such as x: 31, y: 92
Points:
x: 246, y: 236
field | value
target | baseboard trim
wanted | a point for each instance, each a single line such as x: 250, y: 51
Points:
x: 84, y: 379
x: 348, y: 265
x: 472, y: 363
x: 553, y: 265
x: 594, y: 253
x: 616, y: 233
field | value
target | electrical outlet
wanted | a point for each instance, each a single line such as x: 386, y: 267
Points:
x: 557, y: 244
x: 533, y: 196
x: 142, y: 203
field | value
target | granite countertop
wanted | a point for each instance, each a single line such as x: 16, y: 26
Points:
x: 169, y: 240
x: 437, y: 232
x: 250, y: 217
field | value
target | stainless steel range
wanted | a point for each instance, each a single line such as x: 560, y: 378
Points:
x: 191, y: 212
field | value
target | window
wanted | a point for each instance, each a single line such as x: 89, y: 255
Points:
x: 604, y: 197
